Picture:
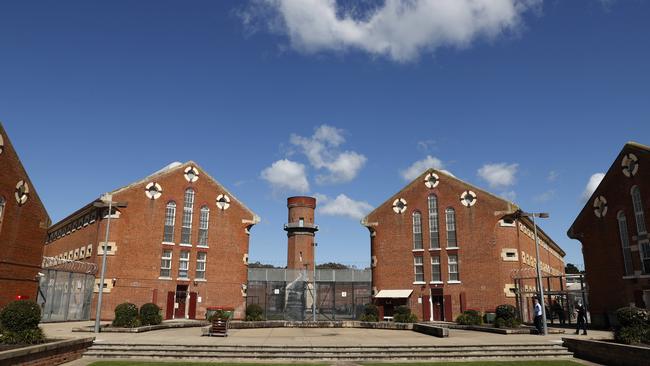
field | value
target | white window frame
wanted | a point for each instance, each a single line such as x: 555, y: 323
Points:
x: 418, y: 243
x: 166, y: 263
x: 450, y: 265
x: 434, y: 227
x: 204, y: 224
x: 435, y: 262
x: 418, y: 263
x: 638, y: 210
x: 170, y: 222
x: 625, y: 243
x: 450, y: 223
x: 184, y: 265
x: 188, y: 212
x: 201, y: 264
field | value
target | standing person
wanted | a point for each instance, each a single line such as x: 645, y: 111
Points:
x: 582, y: 318
x: 538, y: 317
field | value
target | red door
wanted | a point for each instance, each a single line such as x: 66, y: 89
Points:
x: 446, y: 305
x: 192, y: 309
x: 169, y: 310
x: 426, y: 308
x: 437, y: 308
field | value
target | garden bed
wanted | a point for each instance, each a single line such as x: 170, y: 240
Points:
x: 53, y: 352
x: 607, y: 352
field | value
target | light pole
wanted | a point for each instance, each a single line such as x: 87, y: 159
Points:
x: 106, y: 200
x: 313, y: 302
x: 540, y: 289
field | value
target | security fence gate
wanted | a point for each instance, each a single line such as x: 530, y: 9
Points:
x: 288, y: 294
x: 66, y: 289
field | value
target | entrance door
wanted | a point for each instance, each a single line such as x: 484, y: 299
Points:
x: 192, y: 307
x: 438, y: 309
x: 180, y: 301
x: 169, y: 310
x: 426, y: 308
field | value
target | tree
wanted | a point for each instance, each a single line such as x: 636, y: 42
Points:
x: 571, y: 269
x: 260, y: 265
x: 332, y: 265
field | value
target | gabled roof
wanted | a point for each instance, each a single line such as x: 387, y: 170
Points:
x: 169, y: 169
x: 420, y: 179
x: 511, y: 206
x: 586, y: 209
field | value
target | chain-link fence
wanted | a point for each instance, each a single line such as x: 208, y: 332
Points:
x: 65, y: 290
x: 288, y: 294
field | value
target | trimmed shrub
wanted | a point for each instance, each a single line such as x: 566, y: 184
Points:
x: 403, y: 315
x: 254, y: 312
x: 19, y: 323
x: 370, y: 313
x: 470, y: 317
x: 150, y: 314
x: 506, y: 317
x: 634, y: 325
x: 126, y: 316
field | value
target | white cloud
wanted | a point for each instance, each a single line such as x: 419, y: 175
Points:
x: 498, y: 175
x: 398, y: 29
x: 420, y: 166
x: 286, y: 175
x: 343, y: 205
x: 321, y: 149
x: 552, y: 176
x: 593, y: 183
x: 546, y: 196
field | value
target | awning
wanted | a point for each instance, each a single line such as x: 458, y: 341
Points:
x: 393, y: 294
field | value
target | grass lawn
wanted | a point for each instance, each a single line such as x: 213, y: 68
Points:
x: 477, y: 363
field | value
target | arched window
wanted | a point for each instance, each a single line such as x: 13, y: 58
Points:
x: 188, y: 210
x: 434, y: 240
x: 170, y: 220
x: 644, y: 246
x: 203, y: 226
x: 417, y: 230
x: 625, y: 243
x: 638, y: 210
x: 450, y: 216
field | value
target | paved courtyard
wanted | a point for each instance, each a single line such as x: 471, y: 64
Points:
x: 307, y: 336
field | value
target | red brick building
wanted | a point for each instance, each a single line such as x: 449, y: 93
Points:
x: 301, y: 231
x: 612, y: 228
x: 180, y: 242
x: 440, y: 246
x: 23, y: 225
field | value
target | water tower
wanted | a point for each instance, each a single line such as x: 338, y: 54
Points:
x: 301, y: 232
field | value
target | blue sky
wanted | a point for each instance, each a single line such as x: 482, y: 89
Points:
x: 526, y: 99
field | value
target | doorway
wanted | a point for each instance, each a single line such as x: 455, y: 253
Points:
x: 180, y: 302
x: 437, y: 304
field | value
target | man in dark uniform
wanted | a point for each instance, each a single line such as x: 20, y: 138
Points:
x: 582, y: 319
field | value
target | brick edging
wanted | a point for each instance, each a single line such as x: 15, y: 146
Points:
x: 53, y: 353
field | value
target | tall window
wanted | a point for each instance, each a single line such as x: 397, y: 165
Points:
x: 2, y: 209
x: 638, y: 210
x: 434, y: 240
x: 200, y: 264
x: 170, y: 220
x: 453, y: 267
x: 450, y: 216
x: 417, y: 230
x: 188, y: 209
x: 625, y: 243
x: 184, y: 264
x: 435, y: 269
x: 203, y: 226
x: 166, y: 264
x: 419, y: 269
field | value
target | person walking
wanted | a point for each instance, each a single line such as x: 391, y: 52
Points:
x: 582, y: 318
x: 538, y: 317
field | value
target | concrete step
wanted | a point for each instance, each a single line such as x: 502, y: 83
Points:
x: 221, y: 352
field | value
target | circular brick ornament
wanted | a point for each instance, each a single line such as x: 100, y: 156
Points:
x: 468, y: 198
x: 191, y: 174
x: 223, y: 202
x: 22, y: 192
x: 630, y: 165
x: 600, y: 206
x: 399, y: 205
x: 431, y: 180
x: 153, y: 190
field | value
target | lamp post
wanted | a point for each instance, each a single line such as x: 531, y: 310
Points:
x: 313, y: 302
x: 106, y: 200
x: 540, y: 289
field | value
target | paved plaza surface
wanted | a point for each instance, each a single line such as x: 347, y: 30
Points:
x: 308, y: 336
